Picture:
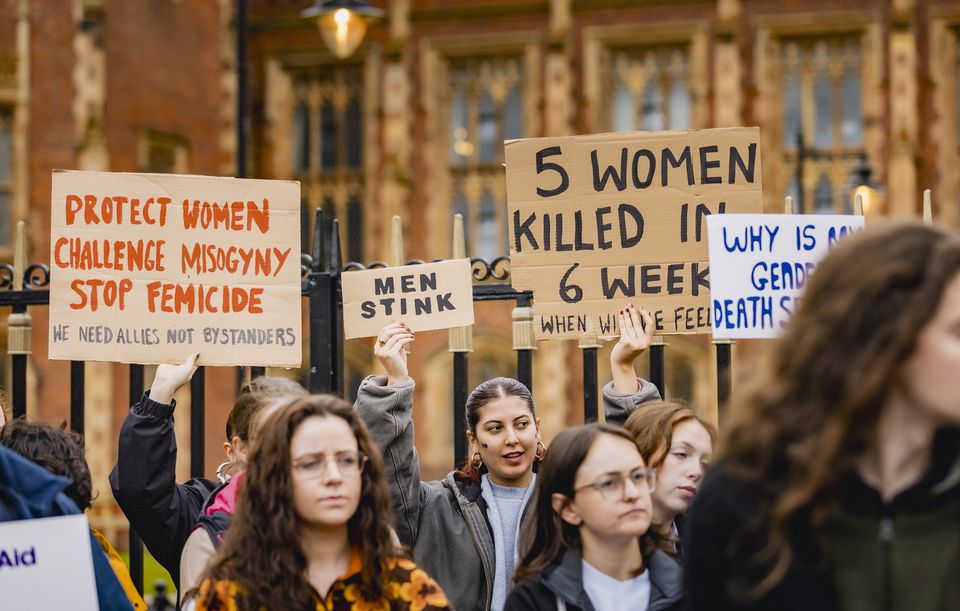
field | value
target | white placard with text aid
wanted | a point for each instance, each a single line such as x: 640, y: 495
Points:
x: 47, y: 564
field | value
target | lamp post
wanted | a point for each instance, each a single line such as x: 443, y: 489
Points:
x: 862, y: 184
x: 343, y: 23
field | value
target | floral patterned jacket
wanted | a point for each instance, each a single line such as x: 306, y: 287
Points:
x: 407, y: 588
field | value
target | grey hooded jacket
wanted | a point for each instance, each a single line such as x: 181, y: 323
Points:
x: 445, y: 522
x: 565, y: 582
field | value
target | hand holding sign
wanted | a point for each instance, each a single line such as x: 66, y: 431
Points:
x: 170, y: 378
x: 636, y: 335
x: 391, y: 350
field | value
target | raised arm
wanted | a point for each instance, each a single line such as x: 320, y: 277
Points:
x: 386, y: 405
x: 627, y: 391
x: 144, y: 480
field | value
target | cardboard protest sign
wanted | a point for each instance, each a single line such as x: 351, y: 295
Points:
x: 760, y: 263
x: 147, y: 268
x: 600, y: 221
x: 425, y: 296
x: 47, y: 564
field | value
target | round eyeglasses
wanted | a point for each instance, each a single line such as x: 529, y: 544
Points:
x: 611, y: 485
x: 315, y: 465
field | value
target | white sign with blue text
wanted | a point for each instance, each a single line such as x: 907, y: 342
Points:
x: 760, y: 263
x: 35, y: 554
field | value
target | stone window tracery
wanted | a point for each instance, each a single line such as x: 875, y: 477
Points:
x: 821, y: 85
x: 484, y: 107
x: 650, y: 88
x: 328, y: 150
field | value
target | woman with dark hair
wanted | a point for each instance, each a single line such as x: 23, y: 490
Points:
x: 163, y: 512
x: 838, y: 485
x: 584, y: 546
x: 678, y: 443
x: 464, y: 530
x: 312, y: 528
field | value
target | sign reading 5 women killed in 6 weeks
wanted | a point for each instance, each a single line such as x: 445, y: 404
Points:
x: 148, y: 268
x: 600, y: 221
x: 424, y: 296
x: 760, y: 264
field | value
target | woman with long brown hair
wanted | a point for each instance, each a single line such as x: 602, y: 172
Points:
x: 678, y: 443
x: 838, y: 486
x: 312, y: 528
x: 585, y: 546
x: 163, y: 512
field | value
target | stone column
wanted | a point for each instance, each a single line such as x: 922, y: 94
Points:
x: 901, y: 176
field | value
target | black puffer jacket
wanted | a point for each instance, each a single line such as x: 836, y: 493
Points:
x: 163, y: 512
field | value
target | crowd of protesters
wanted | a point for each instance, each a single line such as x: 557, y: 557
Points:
x: 835, y: 484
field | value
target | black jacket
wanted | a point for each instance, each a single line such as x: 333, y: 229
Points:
x: 565, y: 581
x: 895, y: 556
x: 160, y: 510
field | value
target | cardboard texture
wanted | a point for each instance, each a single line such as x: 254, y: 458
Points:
x: 47, y: 564
x: 600, y: 221
x: 148, y: 268
x: 424, y: 296
x: 760, y: 265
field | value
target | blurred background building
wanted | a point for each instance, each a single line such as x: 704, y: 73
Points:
x: 412, y: 121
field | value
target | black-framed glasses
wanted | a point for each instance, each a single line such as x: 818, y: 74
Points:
x: 611, y: 485
x: 315, y: 465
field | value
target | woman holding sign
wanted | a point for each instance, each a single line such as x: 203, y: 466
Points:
x: 464, y: 530
x: 839, y: 482
x: 676, y: 442
x: 163, y: 512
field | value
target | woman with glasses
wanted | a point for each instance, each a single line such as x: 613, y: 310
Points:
x: 678, y: 443
x: 585, y: 547
x: 163, y: 512
x: 312, y: 528
x: 838, y: 486
x: 464, y: 529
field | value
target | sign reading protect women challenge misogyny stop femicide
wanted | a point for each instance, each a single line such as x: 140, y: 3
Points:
x: 760, y: 263
x: 600, y: 221
x: 47, y: 564
x: 148, y: 268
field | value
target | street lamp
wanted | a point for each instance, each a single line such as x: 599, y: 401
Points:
x: 343, y: 23
x: 862, y: 184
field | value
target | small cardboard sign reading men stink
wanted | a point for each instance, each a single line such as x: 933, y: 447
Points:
x: 424, y: 296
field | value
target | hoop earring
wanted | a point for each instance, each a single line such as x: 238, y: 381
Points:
x: 223, y: 471
x: 475, y: 461
x: 541, y: 451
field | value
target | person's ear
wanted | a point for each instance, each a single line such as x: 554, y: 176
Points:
x: 239, y: 450
x: 228, y: 450
x: 564, y: 507
x: 472, y: 439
